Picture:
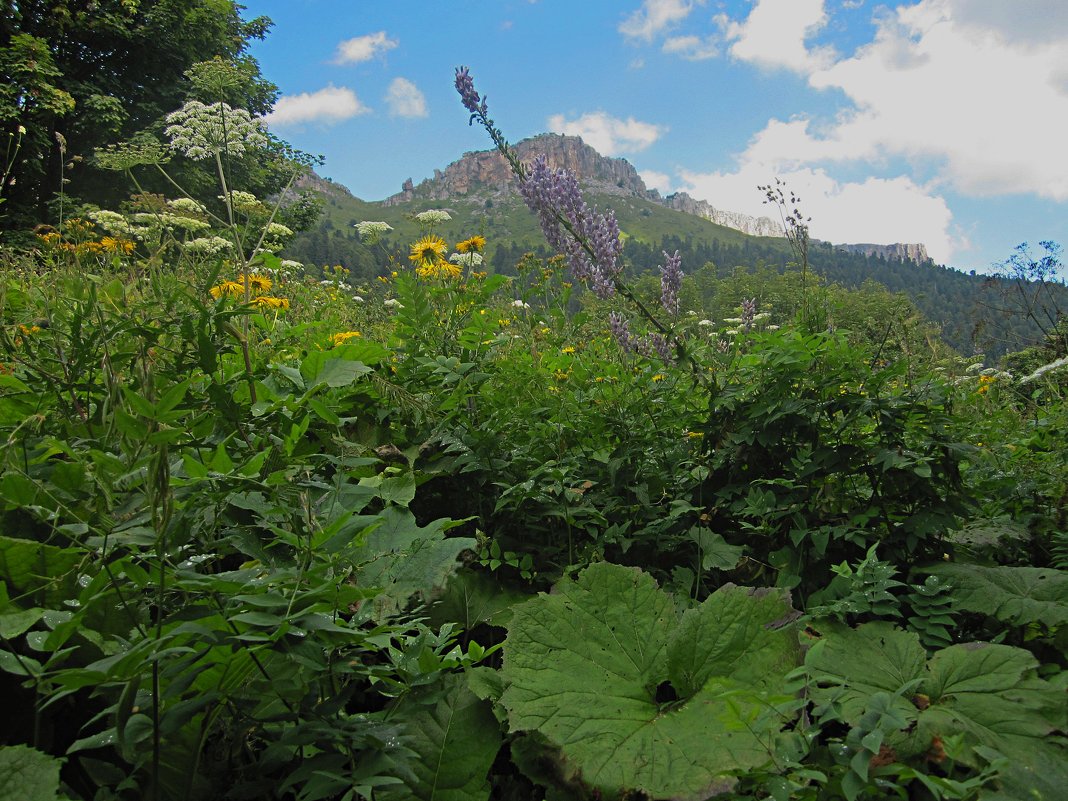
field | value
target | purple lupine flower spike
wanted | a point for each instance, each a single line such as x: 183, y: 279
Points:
x: 671, y: 282
x: 749, y: 310
x: 662, y: 347
x: 465, y: 85
x: 621, y: 331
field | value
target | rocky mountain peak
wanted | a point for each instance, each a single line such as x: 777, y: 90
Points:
x: 487, y: 171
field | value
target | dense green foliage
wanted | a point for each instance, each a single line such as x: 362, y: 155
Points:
x: 78, y: 76
x: 269, y: 530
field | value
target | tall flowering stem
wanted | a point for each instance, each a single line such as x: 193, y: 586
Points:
x: 589, y: 239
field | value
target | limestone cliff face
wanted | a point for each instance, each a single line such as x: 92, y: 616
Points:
x: 899, y: 251
x: 487, y: 171
x: 756, y: 226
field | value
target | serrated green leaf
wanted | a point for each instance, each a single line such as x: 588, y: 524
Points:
x: 455, y: 741
x: 26, y: 774
x: 403, y: 559
x: 990, y: 694
x: 1017, y: 595
x: 585, y: 665
x: 472, y: 598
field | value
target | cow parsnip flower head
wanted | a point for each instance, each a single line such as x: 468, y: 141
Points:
x: 200, y: 131
x: 244, y: 202
x: 432, y: 217
x: 371, y: 231
x: 211, y: 246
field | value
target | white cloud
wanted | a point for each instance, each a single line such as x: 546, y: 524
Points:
x: 692, y: 48
x: 654, y: 17
x: 971, y: 94
x: 775, y: 32
x: 659, y: 181
x: 405, y: 100
x: 880, y: 210
x: 951, y: 91
x: 1021, y: 21
x: 363, y: 48
x: 608, y: 135
x: 330, y: 104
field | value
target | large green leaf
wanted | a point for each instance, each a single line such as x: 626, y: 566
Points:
x: 26, y: 774
x: 403, y: 559
x: 44, y: 573
x: 455, y: 739
x: 638, y: 700
x: 990, y: 694
x: 1017, y: 595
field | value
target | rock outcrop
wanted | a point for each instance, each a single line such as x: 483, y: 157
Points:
x: 755, y: 226
x: 487, y: 171
x: 899, y: 251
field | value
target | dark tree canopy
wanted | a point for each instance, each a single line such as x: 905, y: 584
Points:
x: 78, y: 74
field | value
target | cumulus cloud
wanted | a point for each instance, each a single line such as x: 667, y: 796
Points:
x: 963, y: 96
x: 608, y: 135
x: 330, y: 104
x: 935, y: 86
x: 655, y: 16
x: 775, y: 35
x: 363, y: 48
x: 882, y: 210
x: 692, y: 48
x: 659, y: 181
x: 405, y: 100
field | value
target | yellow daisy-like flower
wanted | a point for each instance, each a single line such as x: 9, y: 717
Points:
x: 569, y: 349
x: 475, y: 244
x: 263, y: 301
x: 658, y: 377
x: 231, y: 288
x: 115, y: 245
x: 257, y: 283
x: 984, y: 383
x: 428, y: 251
x: 343, y: 337
x: 438, y: 269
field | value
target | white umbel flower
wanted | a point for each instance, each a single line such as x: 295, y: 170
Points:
x: 199, y: 131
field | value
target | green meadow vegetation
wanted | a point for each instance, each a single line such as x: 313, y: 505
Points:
x: 272, y: 530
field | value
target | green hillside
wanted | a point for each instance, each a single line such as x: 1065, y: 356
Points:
x: 963, y: 305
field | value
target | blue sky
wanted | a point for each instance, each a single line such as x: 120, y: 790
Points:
x: 935, y: 121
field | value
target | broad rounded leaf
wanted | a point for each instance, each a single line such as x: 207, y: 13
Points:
x: 636, y: 699
x: 990, y: 694
x: 26, y: 774
x: 1017, y: 595
x: 455, y: 740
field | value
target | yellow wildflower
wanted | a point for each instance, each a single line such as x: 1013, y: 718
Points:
x: 473, y: 245
x: 266, y: 302
x: 984, y: 383
x: 568, y: 349
x: 257, y: 283
x: 116, y: 245
x: 439, y: 269
x: 658, y: 377
x: 343, y: 337
x: 231, y: 288
x: 428, y: 251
